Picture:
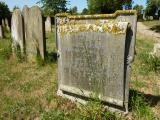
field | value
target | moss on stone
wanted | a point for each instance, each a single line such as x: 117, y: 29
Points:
x: 118, y: 12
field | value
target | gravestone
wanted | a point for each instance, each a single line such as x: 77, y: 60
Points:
x: 144, y: 15
x: 34, y: 33
x: 1, y: 32
x: 3, y: 23
x: 150, y: 17
x: 48, y: 25
x: 95, y: 55
x: 7, y: 24
x: 17, y: 32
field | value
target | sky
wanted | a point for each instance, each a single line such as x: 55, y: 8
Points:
x: 79, y: 3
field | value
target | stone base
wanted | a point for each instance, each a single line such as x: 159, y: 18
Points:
x: 83, y: 100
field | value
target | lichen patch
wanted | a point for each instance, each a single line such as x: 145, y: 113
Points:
x: 110, y: 27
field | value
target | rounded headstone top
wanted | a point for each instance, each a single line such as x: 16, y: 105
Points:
x: 25, y: 8
x: 17, y: 12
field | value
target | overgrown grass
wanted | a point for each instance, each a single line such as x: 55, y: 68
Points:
x: 140, y: 107
x: 154, y: 25
x: 151, y: 23
x: 28, y: 91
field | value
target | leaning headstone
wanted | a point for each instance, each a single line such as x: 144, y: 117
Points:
x: 17, y: 32
x: 48, y: 25
x: 3, y: 23
x: 7, y: 24
x: 1, y: 32
x: 95, y: 55
x: 34, y: 33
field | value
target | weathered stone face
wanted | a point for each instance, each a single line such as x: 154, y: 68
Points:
x: 1, y: 32
x: 34, y: 33
x: 48, y: 25
x: 3, y: 23
x: 95, y: 53
x: 17, y: 32
x: 7, y: 24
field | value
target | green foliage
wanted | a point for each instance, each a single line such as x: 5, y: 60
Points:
x: 5, y: 49
x: 4, y: 10
x: 53, y: 6
x: 152, y: 7
x: 149, y: 63
x: 84, y: 11
x: 73, y: 10
x: 54, y: 115
x: 106, y: 6
x: 140, y: 107
x: 94, y: 110
x: 139, y: 8
x: 15, y: 7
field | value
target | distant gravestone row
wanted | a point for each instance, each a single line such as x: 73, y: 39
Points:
x: 95, y: 56
x: 28, y: 33
x: 1, y: 32
x: 4, y: 26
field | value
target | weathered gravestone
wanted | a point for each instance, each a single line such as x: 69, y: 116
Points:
x: 34, y: 33
x: 3, y: 23
x: 1, y: 32
x: 95, y: 55
x: 17, y: 32
x: 48, y: 25
x: 7, y: 24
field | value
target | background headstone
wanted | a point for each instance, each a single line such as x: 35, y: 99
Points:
x: 48, y: 25
x: 3, y: 23
x: 34, y: 33
x: 7, y: 24
x: 17, y: 32
x: 1, y: 32
x: 95, y: 55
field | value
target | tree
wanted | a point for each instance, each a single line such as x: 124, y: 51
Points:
x: 15, y: 7
x: 84, y: 11
x: 4, y: 11
x: 139, y: 8
x: 73, y: 10
x: 152, y: 7
x: 106, y: 6
x: 53, y: 6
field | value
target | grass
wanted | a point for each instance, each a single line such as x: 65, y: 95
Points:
x: 154, y: 25
x: 28, y: 91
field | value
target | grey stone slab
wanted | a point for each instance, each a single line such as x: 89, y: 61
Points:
x: 17, y: 32
x: 48, y: 25
x: 3, y: 23
x: 95, y: 55
x: 1, y: 32
x: 34, y: 33
x: 7, y: 24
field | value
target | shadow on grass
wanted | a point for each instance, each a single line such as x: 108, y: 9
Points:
x: 149, y: 99
x: 156, y: 28
x: 51, y: 57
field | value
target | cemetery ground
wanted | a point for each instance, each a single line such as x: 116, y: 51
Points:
x: 153, y: 25
x: 28, y: 90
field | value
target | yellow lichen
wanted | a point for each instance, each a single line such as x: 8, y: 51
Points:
x: 114, y: 28
x: 118, y: 12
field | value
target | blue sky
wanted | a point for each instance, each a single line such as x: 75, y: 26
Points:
x: 79, y: 3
